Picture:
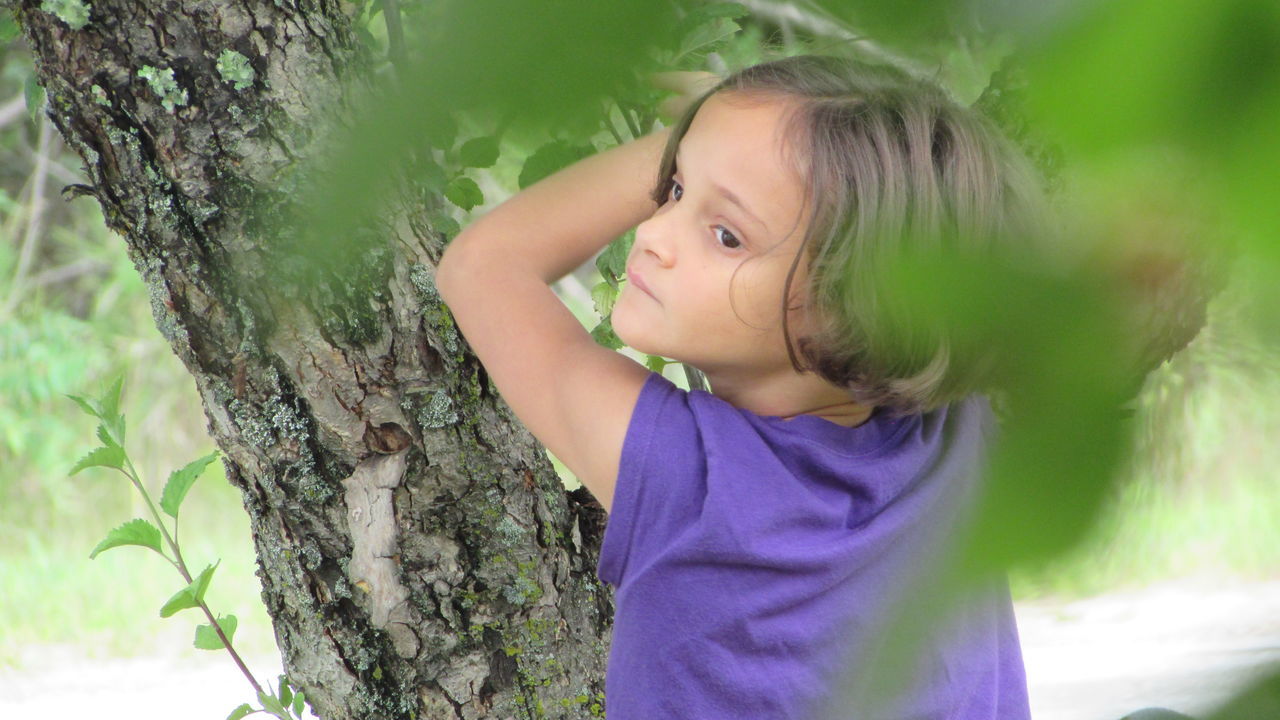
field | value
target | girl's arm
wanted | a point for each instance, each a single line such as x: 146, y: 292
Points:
x: 560, y: 222
x: 575, y: 396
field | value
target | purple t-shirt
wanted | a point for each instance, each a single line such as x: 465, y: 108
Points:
x: 755, y: 559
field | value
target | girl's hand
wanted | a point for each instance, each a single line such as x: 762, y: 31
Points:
x: 687, y: 86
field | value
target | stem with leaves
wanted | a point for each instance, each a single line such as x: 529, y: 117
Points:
x: 217, y: 635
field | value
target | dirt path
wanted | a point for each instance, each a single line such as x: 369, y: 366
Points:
x: 1182, y: 645
x: 1186, y: 646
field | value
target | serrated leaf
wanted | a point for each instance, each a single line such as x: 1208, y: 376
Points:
x: 86, y: 406
x: 603, y: 295
x: 298, y: 700
x: 612, y: 261
x: 180, y: 481
x: 240, y: 712
x: 464, y: 192
x: 207, y: 637
x: 481, y: 152
x: 549, y: 158
x: 105, y: 436
x: 110, y: 400
x: 191, y: 595
x: 135, y: 532
x: 603, y: 335
x: 705, y: 38
x: 108, y: 456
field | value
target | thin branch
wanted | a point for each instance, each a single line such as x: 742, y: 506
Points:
x: 395, y: 32
x: 12, y: 110
x: 35, y: 214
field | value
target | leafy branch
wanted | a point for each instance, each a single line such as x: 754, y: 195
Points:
x: 156, y: 537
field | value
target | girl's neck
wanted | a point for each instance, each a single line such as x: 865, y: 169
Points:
x: 788, y: 394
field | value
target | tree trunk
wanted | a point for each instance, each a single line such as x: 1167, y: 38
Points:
x: 418, y: 554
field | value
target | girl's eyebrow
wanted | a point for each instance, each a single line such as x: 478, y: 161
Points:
x: 732, y: 198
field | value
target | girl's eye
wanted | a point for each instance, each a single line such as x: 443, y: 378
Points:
x: 727, y: 238
x: 677, y: 192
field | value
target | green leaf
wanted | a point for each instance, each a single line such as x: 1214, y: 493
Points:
x: 703, y: 39
x: 109, y: 456
x: 272, y: 705
x: 549, y: 158
x: 86, y: 406
x: 431, y: 175
x: 603, y: 295
x: 191, y: 595
x: 603, y: 335
x: 207, y: 637
x: 180, y: 481
x: 135, y: 532
x: 110, y: 400
x: 298, y: 701
x: 444, y: 224
x: 8, y: 27
x: 481, y: 152
x: 284, y: 692
x: 105, y: 436
x: 240, y: 712
x: 656, y: 362
x: 464, y: 193
x: 35, y: 97
x: 612, y: 262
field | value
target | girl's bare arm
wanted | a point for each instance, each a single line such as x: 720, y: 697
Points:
x: 575, y: 396
x: 558, y: 223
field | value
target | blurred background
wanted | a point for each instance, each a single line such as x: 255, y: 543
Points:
x: 1181, y: 570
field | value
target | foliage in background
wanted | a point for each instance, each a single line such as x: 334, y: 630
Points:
x: 1112, y: 84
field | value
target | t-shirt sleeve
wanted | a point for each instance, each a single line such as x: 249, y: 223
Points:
x: 661, y: 481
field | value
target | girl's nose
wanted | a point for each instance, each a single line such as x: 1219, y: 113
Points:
x: 653, y: 237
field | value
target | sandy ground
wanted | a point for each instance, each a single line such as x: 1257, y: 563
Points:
x: 1184, y: 646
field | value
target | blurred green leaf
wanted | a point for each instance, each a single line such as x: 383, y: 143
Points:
x: 135, y: 532
x: 550, y: 158
x: 240, y: 712
x: 481, y: 152
x: 34, y: 95
x: 464, y: 192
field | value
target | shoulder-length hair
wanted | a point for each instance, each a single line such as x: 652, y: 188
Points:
x: 893, y: 167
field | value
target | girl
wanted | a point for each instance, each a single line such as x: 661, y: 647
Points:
x: 760, y: 534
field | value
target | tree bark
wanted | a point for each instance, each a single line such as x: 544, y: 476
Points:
x: 418, y: 554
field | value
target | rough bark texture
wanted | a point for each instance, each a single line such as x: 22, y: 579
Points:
x: 418, y: 555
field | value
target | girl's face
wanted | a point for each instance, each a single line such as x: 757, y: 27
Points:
x: 736, y: 207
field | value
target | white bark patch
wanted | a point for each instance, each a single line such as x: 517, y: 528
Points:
x: 374, y: 568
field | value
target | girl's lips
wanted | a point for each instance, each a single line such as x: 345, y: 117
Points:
x: 635, y: 278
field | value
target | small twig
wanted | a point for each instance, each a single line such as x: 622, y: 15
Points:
x: 13, y: 110
x: 70, y: 271
x: 608, y: 123
x: 35, y: 214
x: 395, y: 32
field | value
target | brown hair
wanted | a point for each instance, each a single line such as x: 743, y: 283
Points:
x: 893, y: 167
